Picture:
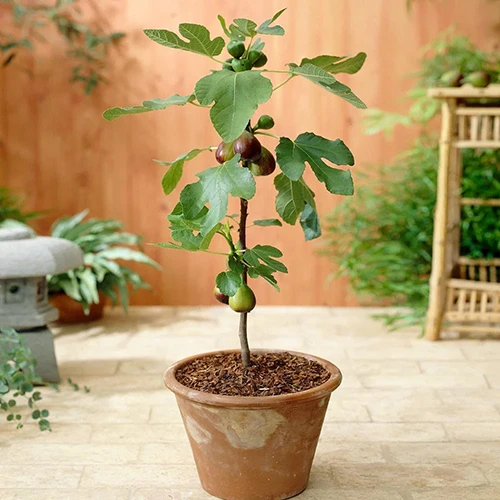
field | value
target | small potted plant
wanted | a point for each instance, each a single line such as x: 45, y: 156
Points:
x: 253, y: 418
x: 80, y: 295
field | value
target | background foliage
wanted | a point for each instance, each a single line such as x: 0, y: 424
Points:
x: 382, y: 238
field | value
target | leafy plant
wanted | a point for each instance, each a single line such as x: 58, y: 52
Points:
x: 11, y: 207
x: 233, y: 94
x: 105, y: 246
x: 18, y: 379
x: 382, y: 240
x: 447, y: 53
x: 87, y: 46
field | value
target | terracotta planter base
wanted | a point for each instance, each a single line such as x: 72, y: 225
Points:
x: 71, y: 311
x: 253, y: 448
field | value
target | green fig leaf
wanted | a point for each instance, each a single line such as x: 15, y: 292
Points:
x: 266, y: 29
x: 198, y: 36
x: 267, y: 222
x: 223, y: 24
x: 325, y: 80
x: 228, y: 282
x: 265, y: 255
x: 174, y: 173
x: 311, y: 148
x: 152, y: 105
x: 215, y: 186
x: 292, y: 197
x: 236, y: 97
x: 243, y: 28
x: 309, y: 221
x: 335, y: 64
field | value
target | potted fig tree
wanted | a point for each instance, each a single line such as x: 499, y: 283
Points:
x: 253, y: 417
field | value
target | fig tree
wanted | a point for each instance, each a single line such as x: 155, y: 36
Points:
x: 224, y: 152
x: 478, y: 79
x: 220, y: 296
x: 265, y: 122
x: 265, y: 165
x: 248, y: 146
x: 236, y: 48
x: 241, y: 65
x: 243, y: 301
x: 261, y: 61
x: 451, y: 78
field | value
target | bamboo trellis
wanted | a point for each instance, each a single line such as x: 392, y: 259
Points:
x: 464, y: 293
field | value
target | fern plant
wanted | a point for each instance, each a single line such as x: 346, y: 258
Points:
x: 105, y: 246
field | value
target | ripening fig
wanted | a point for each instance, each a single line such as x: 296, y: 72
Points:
x: 248, y: 146
x: 243, y: 301
x: 265, y: 122
x: 241, y: 65
x: 478, y: 79
x: 451, y: 78
x: 265, y: 165
x: 261, y: 61
x: 220, y: 296
x: 236, y: 48
x: 224, y: 152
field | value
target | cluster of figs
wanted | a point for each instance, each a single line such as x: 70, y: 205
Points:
x: 258, y: 159
x: 455, y: 78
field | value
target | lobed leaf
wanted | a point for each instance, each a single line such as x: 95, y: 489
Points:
x: 198, y: 36
x: 292, y: 197
x: 236, y: 96
x: 228, y: 282
x: 265, y: 255
x: 335, y: 64
x: 325, y: 80
x: 266, y: 29
x: 151, y: 105
x: 311, y: 148
x: 267, y: 222
x: 174, y: 173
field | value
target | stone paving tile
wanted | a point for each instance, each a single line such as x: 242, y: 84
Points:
x: 408, y: 476
x: 336, y: 452
x: 411, y: 411
x: 131, y: 433
x: 191, y: 493
x: 349, y: 494
x: 469, y: 396
x: 40, y: 476
x: 382, y: 432
x: 443, y: 454
x: 30, y: 433
x: 138, y: 476
x: 476, y: 493
x: 478, y: 431
x: 76, y: 454
x: 480, y: 349
x: 71, y: 494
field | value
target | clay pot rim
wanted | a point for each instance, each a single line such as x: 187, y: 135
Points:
x: 252, y: 401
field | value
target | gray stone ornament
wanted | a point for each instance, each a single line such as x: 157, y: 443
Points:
x: 25, y: 260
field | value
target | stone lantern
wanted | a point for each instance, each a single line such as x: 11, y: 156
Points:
x: 25, y: 260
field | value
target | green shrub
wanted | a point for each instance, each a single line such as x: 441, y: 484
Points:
x: 382, y: 238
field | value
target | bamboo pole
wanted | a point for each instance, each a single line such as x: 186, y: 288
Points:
x: 438, y: 276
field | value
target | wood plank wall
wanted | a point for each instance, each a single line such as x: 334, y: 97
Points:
x: 58, y: 151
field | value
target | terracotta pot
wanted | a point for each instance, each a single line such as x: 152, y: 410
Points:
x: 253, y: 448
x: 71, y: 311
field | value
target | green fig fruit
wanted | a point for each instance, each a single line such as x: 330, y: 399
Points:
x: 224, y: 299
x: 254, y: 56
x: 265, y: 122
x: 261, y: 61
x: 265, y: 165
x: 248, y: 146
x: 227, y: 64
x: 241, y: 65
x: 243, y: 301
x: 236, y: 48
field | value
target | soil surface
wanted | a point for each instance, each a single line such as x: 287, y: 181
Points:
x: 270, y: 374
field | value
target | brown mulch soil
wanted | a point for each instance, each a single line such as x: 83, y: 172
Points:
x: 270, y: 374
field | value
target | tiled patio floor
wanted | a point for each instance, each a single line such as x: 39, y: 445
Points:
x: 412, y: 420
